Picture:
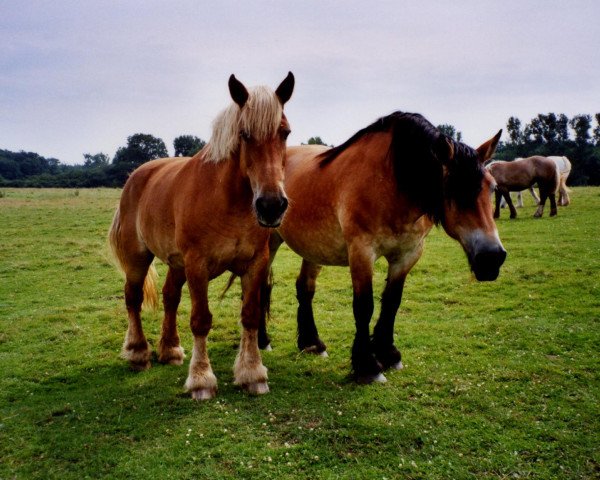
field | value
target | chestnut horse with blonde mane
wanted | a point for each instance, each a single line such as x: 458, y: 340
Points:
x: 523, y: 173
x: 378, y: 195
x: 202, y: 216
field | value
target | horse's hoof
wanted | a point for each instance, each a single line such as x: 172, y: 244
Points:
x: 173, y: 356
x: 367, y: 379
x: 204, y: 393
x: 258, y: 388
x: 317, y: 350
x: 397, y: 366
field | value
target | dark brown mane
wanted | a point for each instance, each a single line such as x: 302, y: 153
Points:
x: 418, y: 151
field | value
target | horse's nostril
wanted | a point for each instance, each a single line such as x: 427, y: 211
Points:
x: 284, y: 203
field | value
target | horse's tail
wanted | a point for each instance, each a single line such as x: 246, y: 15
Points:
x: 151, y: 280
x: 556, y: 185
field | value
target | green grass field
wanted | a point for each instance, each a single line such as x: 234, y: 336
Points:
x: 501, y: 379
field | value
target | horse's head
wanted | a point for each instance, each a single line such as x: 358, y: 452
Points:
x: 262, y: 130
x: 468, y: 215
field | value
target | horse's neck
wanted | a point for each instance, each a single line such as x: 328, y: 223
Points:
x: 232, y: 182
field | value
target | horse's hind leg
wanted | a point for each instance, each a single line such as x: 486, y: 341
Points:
x: 563, y: 193
x: 499, y: 199
x: 553, y: 209
x: 534, y: 195
x: 543, y: 196
x: 511, y: 207
x: 306, y: 283
x: 135, y: 347
x: 169, y: 349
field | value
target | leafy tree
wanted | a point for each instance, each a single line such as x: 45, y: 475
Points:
x: 96, y: 160
x: 581, y: 124
x: 534, y: 131
x: 562, y: 130
x: 140, y: 149
x: 316, y: 141
x: 447, y: 130
x: 187, y: 145
x: 597, y: 130
x: 513, y: 127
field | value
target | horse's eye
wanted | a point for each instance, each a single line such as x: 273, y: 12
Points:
x: 245, y: 136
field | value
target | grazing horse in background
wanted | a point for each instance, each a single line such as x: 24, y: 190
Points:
x: 521, y: 174
x: 563, y: 165
x: 202, y: 216
x: 379, y: 194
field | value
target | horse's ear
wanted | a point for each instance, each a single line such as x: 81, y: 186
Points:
x: 238, y: 91
x: 487, y: 149
x: 285, y: 89
x: 445, y: 149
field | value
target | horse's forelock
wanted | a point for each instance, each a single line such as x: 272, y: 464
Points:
x: 260, y: 118
x: 464, y: 177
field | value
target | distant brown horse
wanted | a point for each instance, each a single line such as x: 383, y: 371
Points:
x: 379, y: 194
x: 203, y: 216
x: 521, y: 174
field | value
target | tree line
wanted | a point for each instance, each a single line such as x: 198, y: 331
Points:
x: 27, y: 169
x: 546, y: 134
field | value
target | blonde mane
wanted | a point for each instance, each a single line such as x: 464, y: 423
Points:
x: 260, y: 118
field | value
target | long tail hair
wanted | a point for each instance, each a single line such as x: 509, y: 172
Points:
x: 151, y: 280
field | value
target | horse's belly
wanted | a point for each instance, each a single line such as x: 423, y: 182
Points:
x: 322, y: 246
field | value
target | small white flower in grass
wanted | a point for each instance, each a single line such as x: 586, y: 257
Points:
x: 187, y: 442
x: 269, y: 459
x: 339, y: 412
x: 224, y: 430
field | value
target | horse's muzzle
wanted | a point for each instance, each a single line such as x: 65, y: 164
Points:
x: 270, y: 209
x: 486, y: 262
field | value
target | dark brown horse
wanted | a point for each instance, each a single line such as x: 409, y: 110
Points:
x: 379, y: 194
x: 521, y: 174
x: 203, y: 216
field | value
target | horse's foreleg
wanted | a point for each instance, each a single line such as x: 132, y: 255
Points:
x: 365, y: 366
x: 249, y: 371
x: 169, y: 349
x: 201, y: 380
x: 306, y: 283
x: 519, y: 199
x: 383, y: 333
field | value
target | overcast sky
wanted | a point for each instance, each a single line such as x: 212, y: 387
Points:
x: 81, y: 76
